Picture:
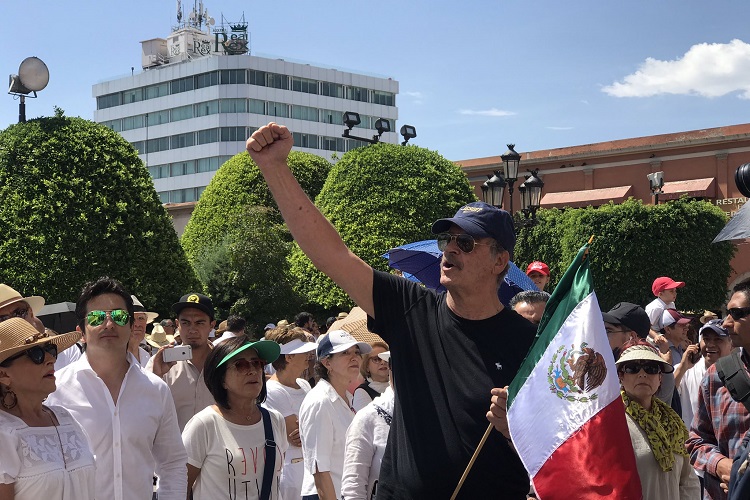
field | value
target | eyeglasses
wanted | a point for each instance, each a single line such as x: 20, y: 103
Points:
x: 649, y: 368
x: 737, y: 313
x: 376, y: 359
x: 119, y: 316
x: 21, y: 312
x: 36, y: 353
x: 244, y: 365
x: 465, y: 242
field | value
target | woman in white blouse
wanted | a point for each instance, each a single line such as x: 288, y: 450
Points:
x: 326, y: 413
x: 375, y: 372
x: 365, y: 445
x: 231, y: 445
x: 44, y: 452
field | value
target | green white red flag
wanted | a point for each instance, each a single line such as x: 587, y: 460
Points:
x: 565, y: 414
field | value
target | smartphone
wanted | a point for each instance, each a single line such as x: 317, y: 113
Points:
x: 179, y: 353
x: 695, y: 357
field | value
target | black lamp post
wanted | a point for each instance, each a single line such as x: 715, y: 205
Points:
x: 531, y: 195
x: 511, y: 160
x: 493, y: 189
x: 656, y: 182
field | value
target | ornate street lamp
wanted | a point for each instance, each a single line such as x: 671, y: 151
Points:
x: 531, y: 194
x: 493, y: 189
x: 511, y: 161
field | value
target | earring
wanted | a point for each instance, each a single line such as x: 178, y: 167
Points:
x: 9, y: 394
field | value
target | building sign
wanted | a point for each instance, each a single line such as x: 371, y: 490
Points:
x: 730, y: 206
x: 233, y: 43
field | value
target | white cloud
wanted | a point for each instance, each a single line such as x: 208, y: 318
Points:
x: 559, y: 128
x: 486, y: 112
x: 707, y: 69
x: 417, y: 94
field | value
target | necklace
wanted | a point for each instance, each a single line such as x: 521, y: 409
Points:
x: 59, y: 440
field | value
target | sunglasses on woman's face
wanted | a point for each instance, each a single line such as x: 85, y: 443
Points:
x: 649, y: 368
x: 119, y: 316
x: 37, y: 353
x: 244, y: 365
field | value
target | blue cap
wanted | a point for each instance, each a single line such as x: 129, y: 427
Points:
x: 481, y: 220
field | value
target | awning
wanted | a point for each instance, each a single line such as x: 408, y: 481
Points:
x: 586, y: 198
x: 695, y: 188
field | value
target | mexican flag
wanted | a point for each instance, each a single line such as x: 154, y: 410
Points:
x: 565, y: 413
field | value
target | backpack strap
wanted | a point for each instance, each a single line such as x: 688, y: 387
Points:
x: 731, y: 371
x: 365, y: 386
x: 270, y: 450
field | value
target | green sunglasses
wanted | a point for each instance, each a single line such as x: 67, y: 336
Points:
x: 119, y: 316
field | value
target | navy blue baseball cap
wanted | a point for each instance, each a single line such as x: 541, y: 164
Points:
x: 481, y: 220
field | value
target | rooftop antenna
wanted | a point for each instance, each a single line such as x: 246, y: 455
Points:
x: 179, y: 11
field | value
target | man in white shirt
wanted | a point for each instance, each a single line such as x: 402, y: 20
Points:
x: 714, y: 345
x: 195, y: 315
x: 235, y: 326
x: 664, y: 289
x: 141, y: 319
x: 127, y: 412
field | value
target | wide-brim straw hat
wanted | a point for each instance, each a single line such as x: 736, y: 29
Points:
x: 18, y: 335
x: 139, y: 308
x: 9, y: 296
x: 708, y: 316
x: 643, y: 353
x: 158, y: 337
x: 355, y: 323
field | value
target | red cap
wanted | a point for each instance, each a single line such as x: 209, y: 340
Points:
x: 538, y: 266
x: 671, y: 316
x: 665, y: 283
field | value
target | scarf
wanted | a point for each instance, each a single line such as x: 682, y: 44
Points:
x: 664, y: 429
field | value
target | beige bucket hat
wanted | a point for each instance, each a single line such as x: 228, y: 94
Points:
x: 158, y: 337
x: 9, y: 296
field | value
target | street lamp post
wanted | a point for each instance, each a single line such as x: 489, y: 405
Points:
x: 493, y: 189
x: 531, y: 195
x: 656, y: 182
x: 511, y: 161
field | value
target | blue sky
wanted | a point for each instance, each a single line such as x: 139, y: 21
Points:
x: 473, y: 75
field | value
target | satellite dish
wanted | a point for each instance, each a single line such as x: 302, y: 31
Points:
x: 210, y: 21
x: 33, y: 73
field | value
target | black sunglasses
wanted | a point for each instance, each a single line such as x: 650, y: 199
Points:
x: 465, y: 242
x: 737, y: 313
x: 36, y: 353
x: 650, y: 368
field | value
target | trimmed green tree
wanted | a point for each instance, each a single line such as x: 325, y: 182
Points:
x: 77, y: 204
x: 238, y: 243
x: 634, y: 244
x: 379, y: 197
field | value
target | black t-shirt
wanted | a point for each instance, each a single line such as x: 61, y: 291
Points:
x: 444, y: 367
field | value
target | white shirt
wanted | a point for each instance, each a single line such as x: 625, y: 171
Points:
x: 365, y: 445
x: 690, y: 387
x: 323, y: 419
x: 68, y: 356
x: 655, y: 309
x: 143, y: 356
x: 131, y: 440
x: 360, y: 398
x: 231, y: 457
x: 32, y: 459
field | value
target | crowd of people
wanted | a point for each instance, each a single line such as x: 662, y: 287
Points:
x: 196, y: 409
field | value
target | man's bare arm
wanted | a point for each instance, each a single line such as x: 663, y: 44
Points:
x: 269, y: 147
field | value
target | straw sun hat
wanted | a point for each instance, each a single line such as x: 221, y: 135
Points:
x: 9, y: 296
x: 641, y: 352
x: 158, y: 337
x: 17, y: 335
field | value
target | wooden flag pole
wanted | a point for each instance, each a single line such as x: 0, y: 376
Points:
x: 471, y: 462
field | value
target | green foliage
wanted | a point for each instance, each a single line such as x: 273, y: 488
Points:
x: 78, y: 203
x: 238, y: 243
x: 238, y: 185
x: 379, y: 197
x: 246, y: 273
x: 634, y: 244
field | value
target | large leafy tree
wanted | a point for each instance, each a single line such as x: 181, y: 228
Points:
x: 78, y: 203
x: 380, y: 197
x: 238, y: 243
x: 634, y: 244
